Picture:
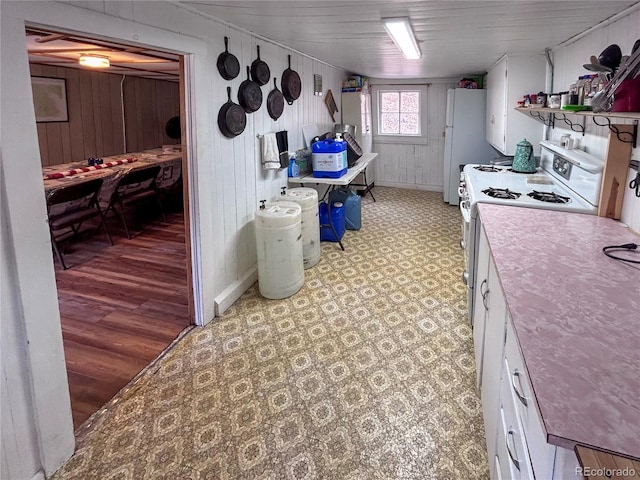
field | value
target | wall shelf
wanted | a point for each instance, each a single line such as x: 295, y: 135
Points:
x: 549, y: 116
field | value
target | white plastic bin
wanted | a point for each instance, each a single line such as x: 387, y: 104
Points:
x: 279, y: 248
x: 307, y: 198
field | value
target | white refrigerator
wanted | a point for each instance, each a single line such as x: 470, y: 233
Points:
x: 465, y: 139
x: 356, y: 111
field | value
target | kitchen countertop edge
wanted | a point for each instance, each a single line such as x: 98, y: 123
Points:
x: 561, y: 303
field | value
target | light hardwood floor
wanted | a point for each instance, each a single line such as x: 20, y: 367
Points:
x: 120, y: 306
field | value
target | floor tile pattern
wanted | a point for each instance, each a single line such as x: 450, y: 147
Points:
x: 366, y: 373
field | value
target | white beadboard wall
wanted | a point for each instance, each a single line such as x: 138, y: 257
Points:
x: 226, y: 176
x: 414, y: 165
x: 568, y: 61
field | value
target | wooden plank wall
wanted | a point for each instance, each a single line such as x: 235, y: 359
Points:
x: 95, y: 128
x: 148, y: 105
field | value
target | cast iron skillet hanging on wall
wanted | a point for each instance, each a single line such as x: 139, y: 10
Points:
x: 260, y: 72
x: 231, y: 118
x: 275, y: 101
x: 228, y: 64
x: 250, y: 95
x: 291, y: 85
x: 172, y: 128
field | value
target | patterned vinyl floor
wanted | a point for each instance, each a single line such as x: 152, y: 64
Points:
x: 366, y: 373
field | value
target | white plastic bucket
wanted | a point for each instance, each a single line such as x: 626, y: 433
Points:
x: 279, y: 249
x: 307, y: 198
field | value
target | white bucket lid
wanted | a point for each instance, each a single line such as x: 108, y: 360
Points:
x: 279, y: 214
x: 305, y: 196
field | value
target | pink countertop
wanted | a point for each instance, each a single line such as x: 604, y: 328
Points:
x: 576, y: 314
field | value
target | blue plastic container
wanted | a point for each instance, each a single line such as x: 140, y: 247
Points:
x: 337, y: 218
x: 352, y: 206
x: 294, y: 169
x: 329, y: 158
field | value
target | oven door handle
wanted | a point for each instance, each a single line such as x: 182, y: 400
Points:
x: 465, y: 211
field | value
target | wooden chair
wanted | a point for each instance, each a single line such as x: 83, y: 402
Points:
x: 134, y: 187
x: 69, y: 207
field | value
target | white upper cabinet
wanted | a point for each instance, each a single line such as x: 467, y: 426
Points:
x: 512, y: 77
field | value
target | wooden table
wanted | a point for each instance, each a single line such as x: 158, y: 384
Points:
x: 171, y: 164
x: 345, y: 180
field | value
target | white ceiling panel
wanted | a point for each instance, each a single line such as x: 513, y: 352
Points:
x: 456, y: 37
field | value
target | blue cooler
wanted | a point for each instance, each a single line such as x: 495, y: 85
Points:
x: 329, y: 158
x: 337, y: 219
x: 352, y: 206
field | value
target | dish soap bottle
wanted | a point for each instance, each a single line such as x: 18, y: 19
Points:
x: 294, y: 168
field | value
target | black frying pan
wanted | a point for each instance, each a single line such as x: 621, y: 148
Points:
x: 172, y: 128
x: 260, y: 71
x: 250, y: 94
x: 231, y: 118
x: 228, y: 64
x: 291, y: 85
x: 275, y: 101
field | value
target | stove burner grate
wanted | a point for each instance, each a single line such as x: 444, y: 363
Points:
x: 487, y: 168
x: 504, y: 193
x: 550, y: 197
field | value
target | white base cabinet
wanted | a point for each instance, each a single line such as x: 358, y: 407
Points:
x: 488, y: 336
x: 512, y: 77
x: 516, y: 442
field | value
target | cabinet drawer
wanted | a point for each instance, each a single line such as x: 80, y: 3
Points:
x: 511, y: 452
x: 521, y: 394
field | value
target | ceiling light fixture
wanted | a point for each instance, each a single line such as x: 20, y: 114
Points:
x: 399, y: 29
x: 94, y: 61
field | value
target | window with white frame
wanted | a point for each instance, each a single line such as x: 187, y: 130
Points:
x: 399, y: 113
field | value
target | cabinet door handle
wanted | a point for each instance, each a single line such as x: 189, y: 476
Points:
x: 484, y: 294
x: 522, y: 398
x: 514, y: 460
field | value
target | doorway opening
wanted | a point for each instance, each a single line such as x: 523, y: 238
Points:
x: 120, y: 305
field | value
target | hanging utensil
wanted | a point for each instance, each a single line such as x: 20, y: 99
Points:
x: 250, y: 94
x: 232, y: 119
x: 260, y: 72
x: 291, y: 85
x: 275, y: 101
x: 227, y: 63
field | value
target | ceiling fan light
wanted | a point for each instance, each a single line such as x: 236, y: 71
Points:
x: 94, y: 61
x: 400, y: 31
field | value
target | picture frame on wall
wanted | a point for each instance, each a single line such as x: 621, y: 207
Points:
x: 50, y: 99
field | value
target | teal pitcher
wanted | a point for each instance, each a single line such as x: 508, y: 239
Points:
x: 523, y: 160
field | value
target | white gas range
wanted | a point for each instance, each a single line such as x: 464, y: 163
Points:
x: 567, y: 180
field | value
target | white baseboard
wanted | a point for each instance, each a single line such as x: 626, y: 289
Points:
x: 230, y: 294
x: 409, y: 186
x: 38, y: 476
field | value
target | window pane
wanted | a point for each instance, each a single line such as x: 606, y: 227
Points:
x: 389, y: 101
x: 409, y: 124
x: 410, y: 102
x: 389, y: 123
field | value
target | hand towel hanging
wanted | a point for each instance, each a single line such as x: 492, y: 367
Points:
x: 270, y: 156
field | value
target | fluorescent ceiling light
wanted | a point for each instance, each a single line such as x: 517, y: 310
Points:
x: 399, y: 29
x: 94, y: 61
